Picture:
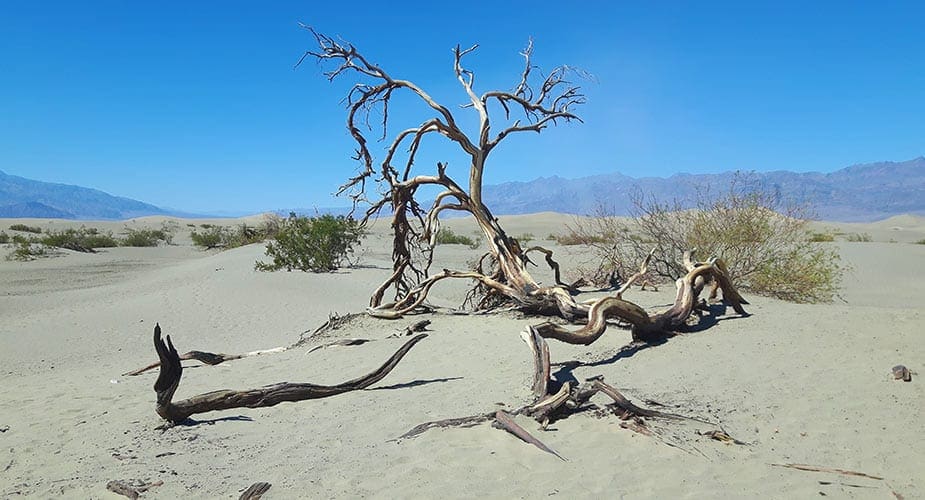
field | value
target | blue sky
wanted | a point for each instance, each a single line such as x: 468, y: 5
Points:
x: 197, y: 106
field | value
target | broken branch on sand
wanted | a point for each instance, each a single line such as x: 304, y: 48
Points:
x: 817, y: 468
x: 547, y: 405
x: 171, y: 370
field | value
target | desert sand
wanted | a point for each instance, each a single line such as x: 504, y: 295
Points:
x: 799, y: 384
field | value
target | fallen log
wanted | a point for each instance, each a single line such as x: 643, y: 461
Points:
x: 175, y: 412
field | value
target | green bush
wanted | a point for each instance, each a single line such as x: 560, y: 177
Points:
x: 80, y: 240
x: 525, y: 239
x: 232, y: 237
x: 446, y: 236
x: 20, y: 239
x: 920, y: 242
x: 4, y: 238
x: 316, y: 244
x: 25, y: 228
x: 212, y: 237
x: 818, y: 237
x: 26, y: 251
x: 578, y: 237
x: 765, y: 244
x: 859, y: 238
x: 148, y: 237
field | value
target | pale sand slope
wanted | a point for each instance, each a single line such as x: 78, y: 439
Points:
x: 800, y: 383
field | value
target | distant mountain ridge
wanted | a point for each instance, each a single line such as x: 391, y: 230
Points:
x: 21, y: 197
x: 857, y: 193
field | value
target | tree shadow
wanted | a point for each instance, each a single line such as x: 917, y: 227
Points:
x: 413, y: 383
x: 191, y: 422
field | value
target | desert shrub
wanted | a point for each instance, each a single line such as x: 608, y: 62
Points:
x: 316, y: 244
x: 80, y: 240
x: 25, y: 251
x: 212, y: 237
x: 25, y: 228
x: 232, y: 237
x: 858, y: 238
x: 578, y: 237
x: 525, y: 239
x: 19, y: 239
x: 765, y: 243
x: 446, y: 236
x: 145, y: 237
x: 920, y: 242
x: 4, y: 238
x: 818, y: 237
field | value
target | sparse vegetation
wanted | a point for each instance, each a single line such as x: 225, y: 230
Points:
x: 213, y: 237
x: 858, y: 237
x: 4, y: 238
x: 525, y: 239
x: 24, y: 251
x: 820, y: 237
x: 920, y: 242
x: 315, y: 244
x: 145, y: 237
x: 446, y: 236
x: 766, y: 244
x: 80, y: 240
x: 25, y: 228
x: 226, y: 237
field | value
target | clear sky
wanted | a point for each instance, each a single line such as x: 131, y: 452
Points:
x: 197, y: 106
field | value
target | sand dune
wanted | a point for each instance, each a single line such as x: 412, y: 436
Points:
x: 807, y: 384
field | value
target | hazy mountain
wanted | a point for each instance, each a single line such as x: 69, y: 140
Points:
x: 33, y: 209
x: 21, y: 197
x: 858, y: 193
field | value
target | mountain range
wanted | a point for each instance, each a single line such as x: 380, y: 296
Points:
x: 858, y: 193
x: 865, y: 192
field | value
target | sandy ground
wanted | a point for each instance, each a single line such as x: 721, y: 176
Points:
x: 803, y: 384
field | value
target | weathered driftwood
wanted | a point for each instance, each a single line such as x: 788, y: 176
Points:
x: 210, y: 358
x: 831, y: 470
x: 207, y: 358
x: 171, y: 370
x: 255, y: 491
x: 644, y: 326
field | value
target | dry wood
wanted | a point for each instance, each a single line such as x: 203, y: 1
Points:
x: 721, y: 436
x: 540, y: 350
x: 469, y: 421
x: 818, y: 468
x: 255, y: 491
x: 415, y: 227
x: 131, y: 489
x: 504, y: 421
x: 341, y: 342
x: 171, y: 370
x: 644, y: 326
x: 208, y: 358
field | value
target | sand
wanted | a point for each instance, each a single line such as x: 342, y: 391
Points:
x: 804, y: 384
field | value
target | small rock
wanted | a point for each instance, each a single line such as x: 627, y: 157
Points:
x: 901, y: 372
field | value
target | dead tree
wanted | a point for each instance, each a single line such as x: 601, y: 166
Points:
x: 539, y: 102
